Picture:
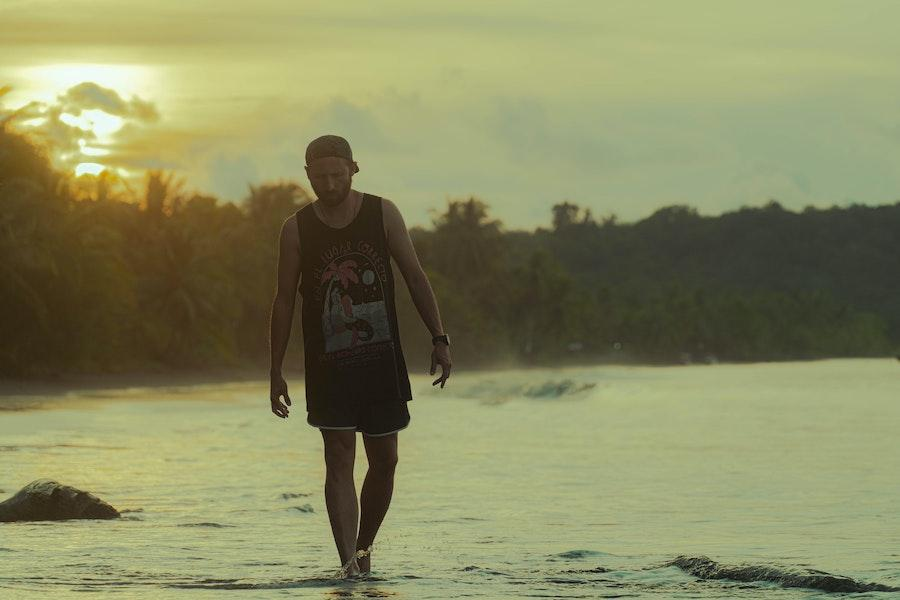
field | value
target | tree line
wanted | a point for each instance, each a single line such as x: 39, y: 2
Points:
x: 101, y: 278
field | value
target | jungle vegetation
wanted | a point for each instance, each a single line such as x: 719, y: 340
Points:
x: 102, y: 278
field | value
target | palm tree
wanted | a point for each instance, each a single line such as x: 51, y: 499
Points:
x: 343, y: 272
x: 467, y: 243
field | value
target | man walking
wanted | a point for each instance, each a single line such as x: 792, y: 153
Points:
x: 339, y: 248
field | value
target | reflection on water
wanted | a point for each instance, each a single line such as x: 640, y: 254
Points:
x: 716, y: 481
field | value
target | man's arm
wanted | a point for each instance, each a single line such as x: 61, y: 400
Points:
x: 283, y: 310
x: 404, y: 254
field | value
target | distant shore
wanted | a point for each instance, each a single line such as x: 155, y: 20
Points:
x: 63, y: 384
x: 23, y: 388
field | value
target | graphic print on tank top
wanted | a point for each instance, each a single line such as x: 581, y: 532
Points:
x: 352, y: 350
x: 350, y: 285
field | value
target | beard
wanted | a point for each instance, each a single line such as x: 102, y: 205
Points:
x: 335, y: 198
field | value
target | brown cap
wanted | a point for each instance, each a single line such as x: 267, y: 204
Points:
x: 328, y: 145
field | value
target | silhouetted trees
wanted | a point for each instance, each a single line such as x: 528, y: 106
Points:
x: 98, y: 278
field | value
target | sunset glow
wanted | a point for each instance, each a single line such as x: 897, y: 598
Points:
x: 621, y: 108
x: 53, y: 79
x: 96, y: 121
x: 89, y: 151
x: 662, y: 236
x: 89, y: 168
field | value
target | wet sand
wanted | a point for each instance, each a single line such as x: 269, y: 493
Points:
x: 29, y: 394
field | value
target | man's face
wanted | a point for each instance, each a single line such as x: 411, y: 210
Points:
x: 330, y: 178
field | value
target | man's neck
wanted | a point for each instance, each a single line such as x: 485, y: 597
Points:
x: 343, y: 212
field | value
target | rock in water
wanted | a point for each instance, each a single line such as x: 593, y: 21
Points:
x: 46, y: 500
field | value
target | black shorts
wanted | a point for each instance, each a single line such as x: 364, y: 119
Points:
x: 370, y: 418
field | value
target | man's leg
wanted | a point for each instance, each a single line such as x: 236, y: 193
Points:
x: 340, y: 491
x: 377, y: 490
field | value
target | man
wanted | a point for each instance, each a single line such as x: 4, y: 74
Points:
x: 339, y: 248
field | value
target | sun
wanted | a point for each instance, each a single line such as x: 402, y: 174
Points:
x: 45, y: 82
x: 100, y: 123
x: 89, y: 168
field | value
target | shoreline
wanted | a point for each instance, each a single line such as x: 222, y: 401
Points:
x: 65, y: 384
x: 23, y: 388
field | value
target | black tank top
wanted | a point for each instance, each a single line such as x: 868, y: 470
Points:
x: 350, y: 336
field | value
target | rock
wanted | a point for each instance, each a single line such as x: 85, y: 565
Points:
x: 46, y: 500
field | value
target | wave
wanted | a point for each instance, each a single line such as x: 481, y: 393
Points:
x: 494, y: 391
x: 483, y: 570
x: 578, y: 554
x: 554, y: 389
x: 289, y: 495
x: 51, y: 446
x: 706, y: 568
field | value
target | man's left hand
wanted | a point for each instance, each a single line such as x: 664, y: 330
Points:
x: 441, y: 355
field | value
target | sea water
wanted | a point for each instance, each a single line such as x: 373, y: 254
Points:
x: 777, y: 480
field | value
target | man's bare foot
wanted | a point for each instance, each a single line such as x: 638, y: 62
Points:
x: 363, y: 557
x: 349, y: 570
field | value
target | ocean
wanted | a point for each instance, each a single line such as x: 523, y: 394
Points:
x: 775, y: 480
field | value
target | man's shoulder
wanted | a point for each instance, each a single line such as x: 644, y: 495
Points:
x: 298, y: 215
x: 290, y: 230
x: 291, y: 219
x: 390, y: 216
x: 389, y: 206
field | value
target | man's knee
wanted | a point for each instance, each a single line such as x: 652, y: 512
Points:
x: 382, y: 453
x: 384, y: 464
x: 340, y: 450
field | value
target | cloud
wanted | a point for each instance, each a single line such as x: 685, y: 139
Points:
x: 230, y: 176
x: 618, y: 108
x: 349, y: 120
x: 51, y: 122
x: 88, y: 95
x: 757, y: 182
x: 530, y: 131
x: 204, y: 22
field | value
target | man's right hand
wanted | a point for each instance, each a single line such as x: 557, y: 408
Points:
x: 279, y: 389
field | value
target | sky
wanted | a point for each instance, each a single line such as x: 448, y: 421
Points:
x: 620, y: 107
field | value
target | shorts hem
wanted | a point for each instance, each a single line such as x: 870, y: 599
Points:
x: 328, y: 427
x: 356, y: 428
x: 388, y: 433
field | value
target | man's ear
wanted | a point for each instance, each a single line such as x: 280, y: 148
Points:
x: 355, y: 168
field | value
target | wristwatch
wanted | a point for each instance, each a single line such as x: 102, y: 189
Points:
x: 441, y: 338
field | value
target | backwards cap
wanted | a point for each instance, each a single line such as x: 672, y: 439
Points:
x: 328, y: 145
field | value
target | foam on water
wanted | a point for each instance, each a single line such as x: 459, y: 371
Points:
x: 789, y: 577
